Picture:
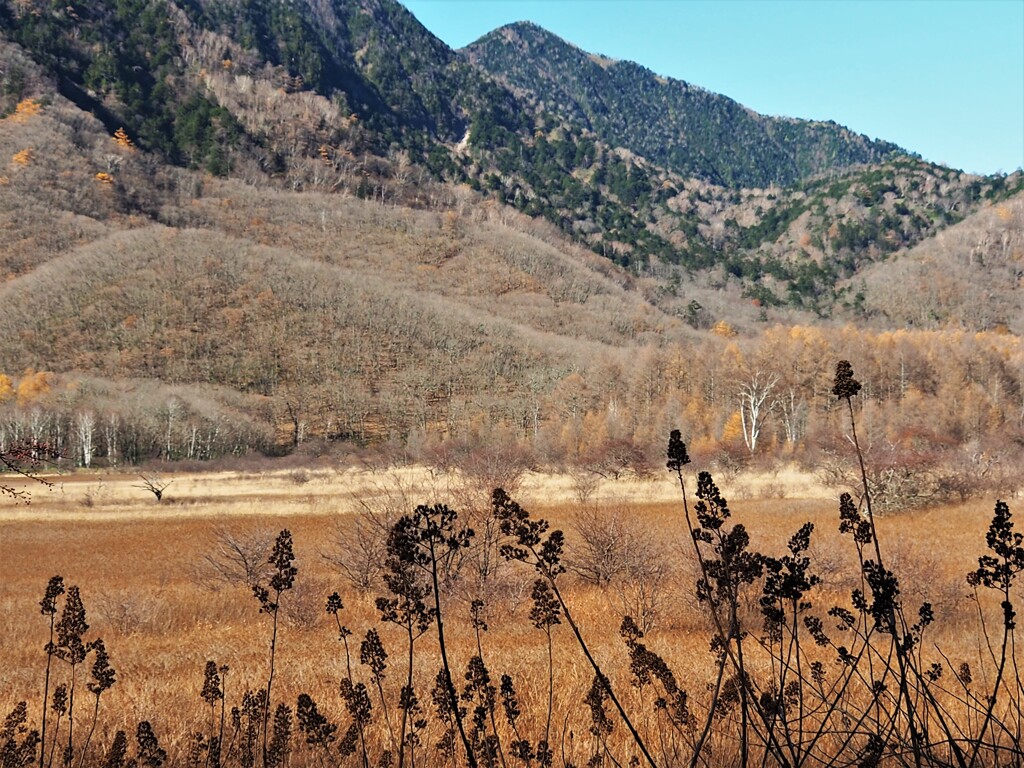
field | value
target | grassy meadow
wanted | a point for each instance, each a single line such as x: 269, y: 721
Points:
x: 148, y: 580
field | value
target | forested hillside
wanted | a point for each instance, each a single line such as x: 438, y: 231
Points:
x: 682, y: 127
x: 358, y: 96
x: 233, y: 227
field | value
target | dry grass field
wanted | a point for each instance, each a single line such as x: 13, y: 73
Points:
x: 149, y: 591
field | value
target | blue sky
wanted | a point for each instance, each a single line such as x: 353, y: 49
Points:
x: 943, y: 78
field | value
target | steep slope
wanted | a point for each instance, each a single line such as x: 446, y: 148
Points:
x: 373, y: 55
x: 798, y: 246
x: 146, y: 65
x: 64, y: 180
x: 682, y: 127
x: 970, y: 276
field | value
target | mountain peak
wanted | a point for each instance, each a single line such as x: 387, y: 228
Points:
x: 531, y: 35
x: 683, y: 127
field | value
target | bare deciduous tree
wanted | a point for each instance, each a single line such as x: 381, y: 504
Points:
x: 756, y: 402
x: 155, y: 485
x: 23, y: 458
x: 361, y: 536
x: 85, y: 426
x: 616, y: 552
x: 236, y: 559
x: 360, y: 547
x: 482, y: 467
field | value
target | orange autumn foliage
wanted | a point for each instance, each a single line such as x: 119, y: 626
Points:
x: 27, y: 108
x: 33, y: 385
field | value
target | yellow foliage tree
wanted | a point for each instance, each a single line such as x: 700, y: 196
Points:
x: 33, y: 385
x: 732, y: 432
x: 702, y: 446
x: 122, y: 139
x: 26, y: 109
x: 695, y: 415
x: 104, y: 178
x: 594, y: 434
x: 722, y: 328
x: 6, y: 388
x: 24, y: 157
x: 571, y: 438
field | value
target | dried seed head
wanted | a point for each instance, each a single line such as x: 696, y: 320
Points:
x: 118, y: 751
x: 59, y: 702
x: 372, y: 653
x: 546, y: 610
x: 851, y: 521
x: 150, y: 753
x: 280, y: 740
x: 476, y: 615
x: 510, y: 700
x: 677, y: 456
x: 211, y: 692
x: 54, y: 589
x: 601, y: 724
x: 1000, y: 569
x: 103, y: 675
x: 845, y: 385
x: 281, y: 558
x: 70, y: 628
x: 334, y: 604
x: 357, y: 701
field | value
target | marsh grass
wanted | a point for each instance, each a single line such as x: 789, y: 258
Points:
x: 134, y: 563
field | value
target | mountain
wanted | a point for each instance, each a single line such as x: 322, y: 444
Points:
x: 682, y: 127
x: 968, y: 276
x: 359, y: 96
x: 176, y: 75
x: 166, y: 70
x: 232, y: 226
x: 372, y: 56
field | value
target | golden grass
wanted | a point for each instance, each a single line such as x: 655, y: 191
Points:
x: 135, y: 562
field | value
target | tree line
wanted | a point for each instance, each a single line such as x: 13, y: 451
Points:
x: 933, y: 401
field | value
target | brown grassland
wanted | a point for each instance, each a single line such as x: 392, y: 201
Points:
x: 140, y: 567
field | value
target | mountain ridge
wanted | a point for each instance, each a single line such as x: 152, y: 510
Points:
x: 359, y: 96
x: 534, y: 61
x: 291, y: 228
